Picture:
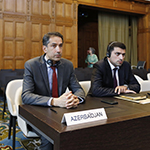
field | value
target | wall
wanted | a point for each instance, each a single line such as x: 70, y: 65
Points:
x: 24, y: 22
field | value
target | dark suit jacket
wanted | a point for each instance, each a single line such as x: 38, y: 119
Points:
x: 36, y: 89
x: 102, y: 80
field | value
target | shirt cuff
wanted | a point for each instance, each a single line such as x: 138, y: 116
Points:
x: 49, y: 101
x: 126, y: 86
x: 81, y: 100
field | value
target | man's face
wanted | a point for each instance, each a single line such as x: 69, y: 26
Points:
x: 54, y: 49
x: 117, y: 56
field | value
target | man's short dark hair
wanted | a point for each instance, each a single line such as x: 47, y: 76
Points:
x: 49, y: 35
x: 113, y: 44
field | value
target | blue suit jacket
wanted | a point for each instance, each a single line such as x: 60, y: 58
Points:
x: 102, y: 80
x: 36, y: 89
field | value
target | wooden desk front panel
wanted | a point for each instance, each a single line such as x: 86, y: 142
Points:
x: 127, y: 126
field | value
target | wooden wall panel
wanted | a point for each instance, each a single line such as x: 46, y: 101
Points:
x: 68, y: 36
x: 36, y: 7
x: 8, y: 29
x: 68, y: 10
x: 13, y: 46
x: 8, y: 64
x: 46, y: 8
x: 19, y: 63
x: 88, y: 1
x: 24, y: 22
x: 8, y: 49
x: 9, y: 6
x: 19, y: 49
x: 68, y: 50
x: 36, y: 32
x: 59, y: 9
x: 45, y: 29
x: 36, y: 49
x: 20, y: 30
x: 21, y: 6
x: 144, y: 39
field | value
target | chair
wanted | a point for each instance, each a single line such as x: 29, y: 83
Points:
x: 11, y: 89
x: 21, y: 123
x: 145, y: 84
x: 139, y: 79
x: 3, y: 83
x: 148, y: 76
x: 86, y: 86
x: 140, y: 65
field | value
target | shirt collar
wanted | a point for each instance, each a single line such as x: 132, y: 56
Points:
x: 45, y: 61
x: 111, y: 65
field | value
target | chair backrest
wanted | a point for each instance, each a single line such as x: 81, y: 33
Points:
x: 141, y: 64
x: 145, y: 84
x: 139, y: 79
x: 11, y: 89
x: 21, y: 123
x: 86, y: 86
x: 148, y: 76
x: 18, y: 101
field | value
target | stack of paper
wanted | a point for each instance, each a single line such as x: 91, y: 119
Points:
x: 134, y: 97
x: 137, y: 98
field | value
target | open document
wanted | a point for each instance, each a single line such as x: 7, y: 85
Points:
x: 141, y: 98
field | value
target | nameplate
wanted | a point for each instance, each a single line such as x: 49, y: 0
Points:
x: 84, y: 116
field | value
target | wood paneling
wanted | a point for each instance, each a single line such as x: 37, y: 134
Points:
x: 9, y: 6
x: 144, y: 39
x: 20, y: 6
x: 24, y: 22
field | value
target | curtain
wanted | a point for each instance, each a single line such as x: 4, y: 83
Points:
x: 133, y: 40
x: 114, y: 27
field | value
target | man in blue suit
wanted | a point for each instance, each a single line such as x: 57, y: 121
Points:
x: 107, y: 82
x: 38, y: 79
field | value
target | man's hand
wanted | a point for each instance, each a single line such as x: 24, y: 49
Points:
x: 123, y: 89
x: 67, y: 100
x: 130, y: 91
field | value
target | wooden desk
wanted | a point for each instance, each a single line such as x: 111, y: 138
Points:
x: 127, y: 126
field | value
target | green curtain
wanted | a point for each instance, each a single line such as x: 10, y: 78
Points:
x: 115, y: 27
x: 133, y: 40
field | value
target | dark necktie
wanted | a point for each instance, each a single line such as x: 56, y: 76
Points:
x: 54, y: 84
x: 115, y: 80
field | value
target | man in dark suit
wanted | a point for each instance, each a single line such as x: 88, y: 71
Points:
x: 38, y: 79
x: 112, y: 75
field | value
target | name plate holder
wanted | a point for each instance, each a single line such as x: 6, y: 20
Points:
x: 78, y: 117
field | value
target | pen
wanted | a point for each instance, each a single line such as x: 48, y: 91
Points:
x: 53, y: 110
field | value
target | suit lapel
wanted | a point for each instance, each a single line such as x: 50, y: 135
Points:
x: 109, y: 73
x: 60, y: 77
x: 121, y: 76
x: 43, y: 70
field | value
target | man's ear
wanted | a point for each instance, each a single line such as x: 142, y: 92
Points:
x: 44, y: 49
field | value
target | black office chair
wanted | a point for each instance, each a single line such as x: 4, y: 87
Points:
x: 140, y: 65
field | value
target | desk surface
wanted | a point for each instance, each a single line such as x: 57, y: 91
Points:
x: 127, y: 126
